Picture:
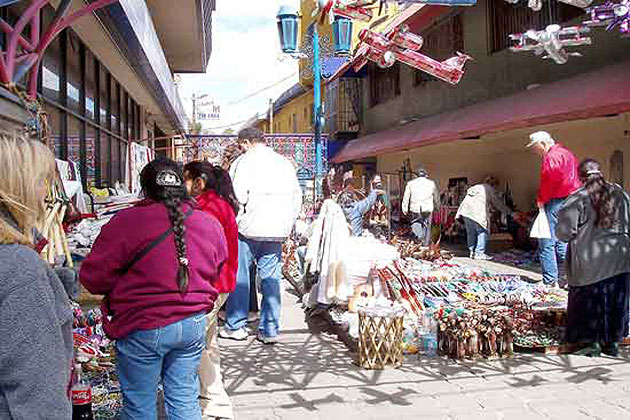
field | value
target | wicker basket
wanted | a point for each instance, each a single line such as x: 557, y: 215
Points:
x: 380, y: 341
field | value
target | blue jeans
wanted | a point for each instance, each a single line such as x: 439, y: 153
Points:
x: 421, y: 227
x: 268, y: 257
x: 552, y: 251
x: 169, y: 354
x: 477, y: 236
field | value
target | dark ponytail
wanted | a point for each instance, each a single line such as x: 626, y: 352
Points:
x: 216, y: 179
x: 162, y: 180
x: 600, y: 192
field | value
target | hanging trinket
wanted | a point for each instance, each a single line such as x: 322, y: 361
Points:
x: 551, y: 42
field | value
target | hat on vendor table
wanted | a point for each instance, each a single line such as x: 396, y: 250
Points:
x: 540, y: 137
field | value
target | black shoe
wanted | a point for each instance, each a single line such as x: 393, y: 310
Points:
x: 592, y: 350
x: 611, y: 349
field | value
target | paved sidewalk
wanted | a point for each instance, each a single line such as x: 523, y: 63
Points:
x: 308, y: 376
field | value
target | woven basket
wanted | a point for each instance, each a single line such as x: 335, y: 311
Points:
x: 380, y: 341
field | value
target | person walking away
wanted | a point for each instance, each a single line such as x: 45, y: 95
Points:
x: 35, y: 313
x: 420, y: 199
x: 212, y: 188
x: 158, y: 265
x: 270, y: 198
x: 595, y: 221
x: 558, y: 179
x: 475, y: 212
x: 355, y: 210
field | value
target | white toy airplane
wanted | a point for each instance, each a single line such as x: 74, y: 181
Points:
x: 552, y: 42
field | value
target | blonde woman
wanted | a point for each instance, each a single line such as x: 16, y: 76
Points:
x: 35, y: 314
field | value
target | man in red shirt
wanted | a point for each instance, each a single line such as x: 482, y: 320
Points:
x: 558, y: 179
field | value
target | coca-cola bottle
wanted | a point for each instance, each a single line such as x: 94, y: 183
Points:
x: 81, y: 396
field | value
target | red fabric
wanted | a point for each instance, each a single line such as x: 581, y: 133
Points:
x: 148, y: 296
x: 588, y: 95
x: 559, y: 174
x: 219, y: 207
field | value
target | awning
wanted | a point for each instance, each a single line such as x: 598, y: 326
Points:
x: 595, y: 94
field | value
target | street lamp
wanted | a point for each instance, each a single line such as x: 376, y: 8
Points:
x: 288, y: 22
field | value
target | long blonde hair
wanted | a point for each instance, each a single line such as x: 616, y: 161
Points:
x: 24, y: 165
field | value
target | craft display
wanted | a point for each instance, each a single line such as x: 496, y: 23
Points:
x: 611, y: 15
x: 56, y: 243
x: 402, y: 45
x: 551, y: 42
x: 96, y: 354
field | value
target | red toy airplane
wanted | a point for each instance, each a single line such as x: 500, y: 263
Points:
x: 402, y: 45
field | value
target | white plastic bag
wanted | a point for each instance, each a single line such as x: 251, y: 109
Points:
x: 541, y: 229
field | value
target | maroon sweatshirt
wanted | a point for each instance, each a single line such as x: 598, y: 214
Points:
x: 148, y: 296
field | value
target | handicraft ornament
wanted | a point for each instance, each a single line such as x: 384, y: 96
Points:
x: 402, y: 45
x: 612, y: 15
x: 536, y: 5
x: 552, y: 42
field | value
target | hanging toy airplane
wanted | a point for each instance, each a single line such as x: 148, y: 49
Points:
x: 536, y: 5
x: 402, y: 45
x: 612, y: 15
x: 552, y: 41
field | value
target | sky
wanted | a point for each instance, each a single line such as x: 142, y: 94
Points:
x: 246, y: 57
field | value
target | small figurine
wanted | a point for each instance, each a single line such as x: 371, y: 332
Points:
x: 552, y: 41
x: 612, y: 15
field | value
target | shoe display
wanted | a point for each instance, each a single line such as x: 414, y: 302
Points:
x: 238, y: 335
x: 266, y: 340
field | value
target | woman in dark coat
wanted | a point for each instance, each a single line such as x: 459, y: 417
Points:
x: 595, y: 221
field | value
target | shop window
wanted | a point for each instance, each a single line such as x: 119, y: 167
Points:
x: 506, y: 19
x: 90, y: 155
x: 115, y: 106
x: 54, y: 128
x: 115, y: 160
x: 73, y: 68
x: 52, y: 65
x: 105, y: 163
x: 384, y: 83
x: 616, y: 167
x: 104, y: 98
x: 441, y: 41
x: 74, y: 139
x: 124, y: 103
x: 90, y: 84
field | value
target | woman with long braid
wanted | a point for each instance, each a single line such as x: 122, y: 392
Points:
x: 158, y: 265
x: 595, y: 221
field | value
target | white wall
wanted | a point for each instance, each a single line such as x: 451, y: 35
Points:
x: 504, y: 155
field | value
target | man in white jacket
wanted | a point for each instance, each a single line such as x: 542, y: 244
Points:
x: 420, y: 199
x: 270, y: 197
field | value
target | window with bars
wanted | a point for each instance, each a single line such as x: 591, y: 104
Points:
x: 384, y: 83
x: 441, y: 41
x: 506, y: 19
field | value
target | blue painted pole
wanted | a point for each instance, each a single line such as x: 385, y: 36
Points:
x: 317, y: 111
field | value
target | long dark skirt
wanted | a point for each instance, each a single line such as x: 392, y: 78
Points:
x: 599, y: 312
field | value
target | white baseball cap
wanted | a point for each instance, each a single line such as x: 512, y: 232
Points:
x: 540, y: 137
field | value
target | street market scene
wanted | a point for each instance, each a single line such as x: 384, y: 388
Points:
x: 322, y: 209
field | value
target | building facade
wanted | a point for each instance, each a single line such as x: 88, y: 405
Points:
x: 108, y: 80
x: 480, y: 126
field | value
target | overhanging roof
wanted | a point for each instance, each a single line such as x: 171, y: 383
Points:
x: 595, y: 94
x: 185, y: 31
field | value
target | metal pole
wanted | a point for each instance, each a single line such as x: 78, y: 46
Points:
x: 317, y: 113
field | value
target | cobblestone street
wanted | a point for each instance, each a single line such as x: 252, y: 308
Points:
x: 309, y: 376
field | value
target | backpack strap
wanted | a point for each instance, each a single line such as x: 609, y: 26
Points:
x: 144, y: 251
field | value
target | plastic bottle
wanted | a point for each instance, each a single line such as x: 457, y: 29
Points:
x: 81, y: 396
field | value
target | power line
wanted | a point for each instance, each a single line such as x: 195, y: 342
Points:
x: 228, y: 125
x: 251, y: 95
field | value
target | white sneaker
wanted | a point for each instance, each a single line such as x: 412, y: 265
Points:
x: 472, y: 255
x: 266, y: 340
x: 483, y: 257
x: 238, y: 335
